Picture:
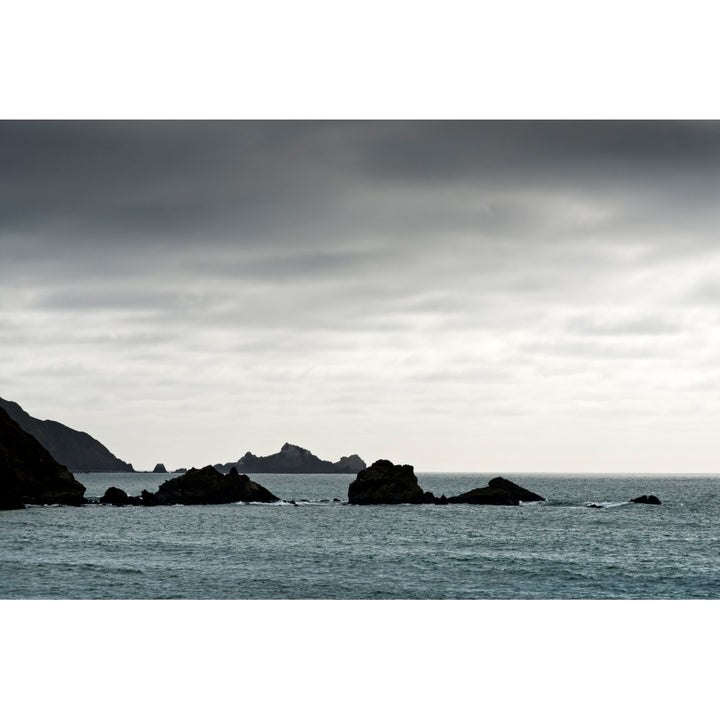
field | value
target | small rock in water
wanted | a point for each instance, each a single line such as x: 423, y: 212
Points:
x: 499, y: 491
x: 647, y: 500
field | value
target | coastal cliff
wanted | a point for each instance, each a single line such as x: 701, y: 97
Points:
x: 77, y: 450
x: 29, y: 474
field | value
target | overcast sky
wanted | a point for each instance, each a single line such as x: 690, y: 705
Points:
x: 466, y: 296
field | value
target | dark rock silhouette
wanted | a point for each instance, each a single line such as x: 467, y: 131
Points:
x: 293, y: 459
x: 349, y: 464
x: 29, y: 474
x: 647, y: 500
x: 78, y: 451
x: 116, y: 496
x: 207, y: 486
x: 499, y: 491
x: 148, y: 498
x: 159, y: 468
x: 386, y: 483
x: 180, y: 470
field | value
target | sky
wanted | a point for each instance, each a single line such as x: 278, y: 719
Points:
x: 475, y: 296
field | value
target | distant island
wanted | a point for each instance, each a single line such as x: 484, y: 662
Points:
x: 77, y: 450
x: 292, y: 459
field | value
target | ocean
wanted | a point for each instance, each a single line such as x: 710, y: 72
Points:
x: 323, y: 548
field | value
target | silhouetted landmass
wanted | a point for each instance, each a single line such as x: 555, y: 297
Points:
x: 385, y: 483
x: 206, y: 486
x: 293, y: 459
x: 159, y: 468
x: 77, y: 450
x: 647, y: 500
x: 29, y: 474
x: 116, y: 496
x: 499, y: 491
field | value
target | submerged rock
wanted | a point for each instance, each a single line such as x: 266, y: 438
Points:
x: 499, y: 491
x: 647, y: 500
x: 386, y: 483
x: 208, y: 486
x: 29, y: 474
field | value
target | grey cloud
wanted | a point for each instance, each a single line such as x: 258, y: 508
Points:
x: 599, y: 351
x: 703, y: 292
x: 473, y: 268
x: 645, y: 325
x: 571, y: 149
x: 173, y: 181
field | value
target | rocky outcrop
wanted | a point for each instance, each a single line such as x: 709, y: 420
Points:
x: 207, y: 486
x: 116, y: 496
x: 293, y: 459
x: 159, y: 468
x: 77, y: 450
x: 386, y: 483
x: 647, y: 500
x: 29, y: 474
x: 499, y: 491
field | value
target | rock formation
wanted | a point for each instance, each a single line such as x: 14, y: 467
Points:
x: 350, y: 464
x: 647, y: 500
x: 159, y: 468
x: 293, y: 459
x: 116, y: 496
x: 208, y: 487
x: 499, y: 491
x: 29, y: 474
x: 76, y: 450
x: 383, y: 482
x: 386, y: 483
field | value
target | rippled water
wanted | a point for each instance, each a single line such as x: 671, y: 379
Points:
x: 321, y: 548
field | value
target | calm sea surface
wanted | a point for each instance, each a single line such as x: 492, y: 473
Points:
x: 321, y: 548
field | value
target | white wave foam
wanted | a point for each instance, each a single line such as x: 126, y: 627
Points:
x: 606, y: 504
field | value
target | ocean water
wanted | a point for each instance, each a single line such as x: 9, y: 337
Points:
x: 323, y: 548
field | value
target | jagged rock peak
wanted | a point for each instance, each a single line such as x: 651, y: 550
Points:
x: 293, y: 459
